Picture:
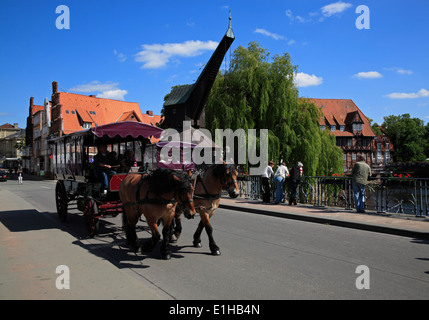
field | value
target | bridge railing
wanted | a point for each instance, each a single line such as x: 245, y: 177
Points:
x: 384, y: 195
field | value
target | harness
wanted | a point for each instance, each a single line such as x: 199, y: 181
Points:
x: 207, y: 195
x: 211, y: 196
x: 146, y: 199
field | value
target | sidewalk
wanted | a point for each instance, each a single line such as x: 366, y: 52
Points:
x: 407, y: 226
x: 33, y: 245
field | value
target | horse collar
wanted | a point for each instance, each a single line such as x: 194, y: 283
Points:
x: 206, y: 195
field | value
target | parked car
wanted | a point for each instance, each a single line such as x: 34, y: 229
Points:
x: 3, y: 175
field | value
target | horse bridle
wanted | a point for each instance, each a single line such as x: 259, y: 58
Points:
x: 207, y: 195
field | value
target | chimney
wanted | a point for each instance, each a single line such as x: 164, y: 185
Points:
x: 48, y: 112
x: 149, y: 113
x: 31, y: 102
x: 54, y: 87
x: 15, y: 125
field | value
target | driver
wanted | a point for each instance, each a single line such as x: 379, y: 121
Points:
x: 103, y: 167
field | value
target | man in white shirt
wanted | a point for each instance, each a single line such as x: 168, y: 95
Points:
x: 281, y: 173
x: 266, y: 175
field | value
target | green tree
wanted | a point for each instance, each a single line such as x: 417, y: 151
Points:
x: 426, y: 141
x: 407, y: 135
x: 258, y: 92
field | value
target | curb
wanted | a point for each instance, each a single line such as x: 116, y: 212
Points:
x: 333, y: 222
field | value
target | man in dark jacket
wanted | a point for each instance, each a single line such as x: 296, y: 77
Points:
x: 103, y: 167
x: 295, y: 179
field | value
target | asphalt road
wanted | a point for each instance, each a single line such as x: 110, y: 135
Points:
x: 262, y: 258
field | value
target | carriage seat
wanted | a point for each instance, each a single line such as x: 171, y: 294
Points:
x: 115, y: 181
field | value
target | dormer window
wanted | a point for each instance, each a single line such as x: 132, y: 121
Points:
x: 86, y: 125
x: 333, y: 128
x: 357, y: 127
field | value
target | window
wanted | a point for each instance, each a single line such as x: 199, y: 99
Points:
x: 353, y: 156
x: 86, y: 125
x: 357, y: 127
x: 349, y: 142
x: 342, y: 128
x: 333, y: 128
x: 322, y: 127
x: 387, y: 157
x: 339, y: 142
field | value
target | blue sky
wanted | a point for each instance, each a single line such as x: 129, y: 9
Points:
x: 137, y: 50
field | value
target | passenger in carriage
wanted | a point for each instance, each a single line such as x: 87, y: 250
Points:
x: 130, y: 160
x: 103, y: 167
x: 114, y: 161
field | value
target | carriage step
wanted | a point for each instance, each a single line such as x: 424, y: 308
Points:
x: 111, y: 208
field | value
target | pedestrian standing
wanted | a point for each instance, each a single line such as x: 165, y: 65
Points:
x: 279, y: 177
x: 360, y: 173
x: 266, y: 175
x: 295, y: 179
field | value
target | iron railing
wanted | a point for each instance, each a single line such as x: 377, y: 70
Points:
x: 383, y: 195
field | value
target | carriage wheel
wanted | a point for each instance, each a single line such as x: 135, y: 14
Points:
x: 90, y: 211
x: 61, y: 201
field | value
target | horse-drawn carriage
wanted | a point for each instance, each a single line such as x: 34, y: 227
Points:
x: 77, y: 182
x: 156, y: 195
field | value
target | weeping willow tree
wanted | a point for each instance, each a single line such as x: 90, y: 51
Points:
x: 259, y: 93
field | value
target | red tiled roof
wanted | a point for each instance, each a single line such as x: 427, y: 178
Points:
x: 98, y: 111
x: 342, y: 112
x: 6, y: 126
x: 37, y: 108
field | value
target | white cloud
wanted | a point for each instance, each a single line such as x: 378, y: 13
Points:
x: 400, y: 70
x: 335, y: 8
x: 422, y: 93
x: 116, y: 94
x: 108, y: 90
x: 300, y: 19
x: 368, y: 75
x: 155, y: 56
x: 305, y: 80
x: 327, y: 11
x: 404, y: 71
x: 94, y: 86
x: 121, y: 57
x: 275, y: 36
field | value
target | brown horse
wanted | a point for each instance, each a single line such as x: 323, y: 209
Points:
x: 155, y: 196
x: 208, y: 188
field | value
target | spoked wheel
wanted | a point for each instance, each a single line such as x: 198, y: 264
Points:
x: 90, y: 212
x: 61, y: 201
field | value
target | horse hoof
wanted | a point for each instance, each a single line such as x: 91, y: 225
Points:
x: 197, y: 244
x: 214, y: 249
x: 166, y: 256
